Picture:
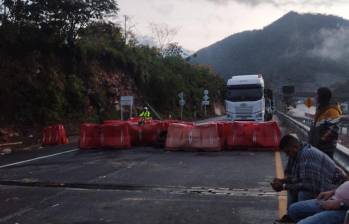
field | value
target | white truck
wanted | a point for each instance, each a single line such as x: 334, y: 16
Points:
x: 245, y: 98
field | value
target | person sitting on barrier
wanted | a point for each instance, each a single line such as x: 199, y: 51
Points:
x: 329, y: 207
x: 325, y: 129
x: 144, y: 115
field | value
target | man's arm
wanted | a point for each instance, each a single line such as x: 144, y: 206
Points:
x: 333, y: 204
x: 326, y: 195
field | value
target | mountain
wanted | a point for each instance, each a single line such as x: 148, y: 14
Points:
x: 306, y: 50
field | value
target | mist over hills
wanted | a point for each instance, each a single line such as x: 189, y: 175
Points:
x: 307, y: 50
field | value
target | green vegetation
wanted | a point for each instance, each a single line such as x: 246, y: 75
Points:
x: 58, y: 59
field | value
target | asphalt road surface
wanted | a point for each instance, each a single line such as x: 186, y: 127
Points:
x: 140, y: 185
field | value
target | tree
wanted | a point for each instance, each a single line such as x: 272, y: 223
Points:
x: 163, y: 34
x: 63, y: 17
x: 2, y: 11
x: 173, y: 50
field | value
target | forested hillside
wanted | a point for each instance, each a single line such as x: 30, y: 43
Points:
x: 307, y: 50
x: 64, y: 61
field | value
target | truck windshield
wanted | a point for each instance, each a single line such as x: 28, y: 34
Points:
x: 244, y: 93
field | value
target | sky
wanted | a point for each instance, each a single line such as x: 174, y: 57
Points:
x: 200, y: 23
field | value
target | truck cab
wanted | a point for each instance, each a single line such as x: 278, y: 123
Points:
x: 245, y: 98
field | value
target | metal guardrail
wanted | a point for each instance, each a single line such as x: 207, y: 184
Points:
x: 341, y: 154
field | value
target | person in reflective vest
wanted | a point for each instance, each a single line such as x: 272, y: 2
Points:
x: 144, y: 115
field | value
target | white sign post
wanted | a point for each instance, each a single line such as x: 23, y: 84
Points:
x: 181, y: 103
x: 126, y: 101
x: 205, y: 101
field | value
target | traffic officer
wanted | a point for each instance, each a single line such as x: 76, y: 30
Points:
x: 144, y: 115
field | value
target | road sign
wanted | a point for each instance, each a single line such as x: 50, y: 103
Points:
x: 205, y: 102
x: 181, y: 102
x: 181, y: 95
x: 126, y: 100
x: 308, y: 102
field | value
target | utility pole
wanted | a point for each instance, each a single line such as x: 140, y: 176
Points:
x: 125, y: 28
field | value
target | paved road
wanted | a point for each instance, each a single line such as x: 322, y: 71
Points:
x: 141, y: 185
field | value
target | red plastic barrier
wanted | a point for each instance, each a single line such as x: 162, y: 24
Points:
x: 113, y: 121
x: 146, y: 134
x: 268, y: 135
x: 63, y: 139
x: 200, y: 137
x: 222, y: 126
x: 47, y: 135
x: 54, y: 135
x: 151, y: 132
x: 134, y: 132
x: 166, y: 123
x: 90, y: 136
x: 206, y: 137
x: 178, y: 136
x: 115, y: 135
x: 252, y: 135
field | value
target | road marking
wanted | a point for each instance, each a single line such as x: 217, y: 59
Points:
x: 38, y: 158
x: 16, y: 214
x: 280, y: 174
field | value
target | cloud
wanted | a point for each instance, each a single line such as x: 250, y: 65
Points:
x: 334, y: 44
x: 280, y: 3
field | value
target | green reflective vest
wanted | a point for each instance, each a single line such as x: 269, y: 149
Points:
x: 145, y: 114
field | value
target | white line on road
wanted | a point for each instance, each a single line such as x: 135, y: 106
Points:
x: 38, y: 158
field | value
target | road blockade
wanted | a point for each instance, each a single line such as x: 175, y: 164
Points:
x: 115, y: 136
x: 54, y: 135
x: 178, y: 135
x: 90, y: 136
x: 146, y: 134
x: 252, y: 135
x: 203, y: 137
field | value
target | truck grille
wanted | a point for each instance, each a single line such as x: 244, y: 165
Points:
x: 244, y: 110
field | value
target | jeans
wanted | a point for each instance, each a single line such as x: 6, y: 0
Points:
x: 293, y: 197
x: 310, y: 212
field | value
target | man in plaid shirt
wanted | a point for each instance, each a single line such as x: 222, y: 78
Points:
x: 308, y: 172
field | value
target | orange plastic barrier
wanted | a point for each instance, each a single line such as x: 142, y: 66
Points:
x: 166, y: 123
x: 134, y: 132
x: 54, y: 135
x: 146, y: 134
x: 150, y: 133
x: 178, y: 136
x: 268, y: 135
x: 222, y: 127
x: 115, y: 135
x: 113, y: 121
x: 47, y: 135
x: 206, y: 137
x: 199, y: 137
x: 90, y: 136
x: 252, y: 135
